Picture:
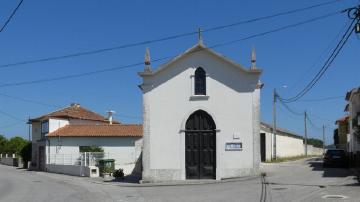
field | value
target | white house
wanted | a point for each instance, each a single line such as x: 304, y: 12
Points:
x: 353, y: 108
x: 58, y: 137
x: 200, y: 117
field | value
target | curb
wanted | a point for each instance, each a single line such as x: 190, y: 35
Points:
x: 176, y: 183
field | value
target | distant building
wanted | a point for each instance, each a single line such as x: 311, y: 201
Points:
x: 353, y: 108
x: 342, y: 133
x: 201, y: 114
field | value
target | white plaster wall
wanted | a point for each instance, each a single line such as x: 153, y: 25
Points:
x: 122, y: 149
x: 268, y: 145
x: 35, y: 131
x: 230, y: 104
x: 289, y: 146
x: 84, y: 171
x: 286, y: 146
x: 354, y: 108
x: 55, y: 124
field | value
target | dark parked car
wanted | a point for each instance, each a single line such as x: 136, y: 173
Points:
x: 335, y: 157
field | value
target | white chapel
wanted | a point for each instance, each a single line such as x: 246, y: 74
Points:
x: 201, y: 117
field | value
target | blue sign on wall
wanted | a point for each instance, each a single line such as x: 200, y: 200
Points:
x: 233, y: 146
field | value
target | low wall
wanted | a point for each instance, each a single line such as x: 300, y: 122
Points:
x: 85, y: 171
x: 16, y: 162
x: 314, y: 150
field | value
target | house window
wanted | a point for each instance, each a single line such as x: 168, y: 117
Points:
x: 44, y: 127
x: 200, y: 81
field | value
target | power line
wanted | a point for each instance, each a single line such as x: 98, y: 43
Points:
x: 11, y: 16
x: 11, y: 116
x: 29, y: 101
x: 160, y: 59
x: 323, y: 99
x: 326, y: 65
x: 301, y: 78
x: 290, y: 110
x: 312, y: 124
x: 164, y: 38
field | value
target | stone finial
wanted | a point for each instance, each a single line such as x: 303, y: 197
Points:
x: 147, y: 60
x: 200, y: 40
x: 253, y: 58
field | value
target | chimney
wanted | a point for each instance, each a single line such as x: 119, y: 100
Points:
x: 110, y: 116
x: 77, y: 105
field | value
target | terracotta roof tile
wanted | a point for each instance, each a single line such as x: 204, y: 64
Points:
x: 115, y: 130
x: 74, y: 111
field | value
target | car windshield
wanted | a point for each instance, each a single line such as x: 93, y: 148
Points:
x: 335, y: 152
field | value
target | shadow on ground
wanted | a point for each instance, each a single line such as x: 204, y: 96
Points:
x: 317, y: 165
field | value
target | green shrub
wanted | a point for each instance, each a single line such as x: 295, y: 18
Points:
x: 92, y: 148
x: 119, y: 174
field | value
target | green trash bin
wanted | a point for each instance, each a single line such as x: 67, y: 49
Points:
x: 106, y: 166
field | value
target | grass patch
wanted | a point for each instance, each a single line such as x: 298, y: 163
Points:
x: 292, y: 158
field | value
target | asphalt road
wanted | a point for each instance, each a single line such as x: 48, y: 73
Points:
x: 303, y: 180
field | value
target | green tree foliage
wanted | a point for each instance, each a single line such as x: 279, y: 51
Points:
x: 92, y: 148
x: 15, y: 145
x: 315, y: 142
x: 25, y: 152
x: 3, y: 143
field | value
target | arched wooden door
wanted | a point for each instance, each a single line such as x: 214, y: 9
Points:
x: 200, y: 146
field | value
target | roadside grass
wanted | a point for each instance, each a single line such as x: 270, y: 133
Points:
x: 292, y: 158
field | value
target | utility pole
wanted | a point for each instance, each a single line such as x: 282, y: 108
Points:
x: 274, y: 123
x: 323, y: 139
x: 305, y: 119
x: 29, y: 132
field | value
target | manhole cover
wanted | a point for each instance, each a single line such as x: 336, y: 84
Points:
x: 334, y: 197
x: 279, y: 188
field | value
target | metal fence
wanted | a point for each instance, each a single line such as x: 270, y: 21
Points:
x: 79, y: 159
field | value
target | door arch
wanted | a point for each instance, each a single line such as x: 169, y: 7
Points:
x: 200, y: 146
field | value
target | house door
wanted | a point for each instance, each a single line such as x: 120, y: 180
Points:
x: 200, y: 146
x: 262, y: 147
x: 41, y: 158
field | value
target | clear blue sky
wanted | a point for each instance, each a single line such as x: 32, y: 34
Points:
x: 50, y: 28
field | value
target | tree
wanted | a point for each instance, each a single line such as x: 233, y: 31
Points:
x: 315, y: 142
x: 3, y: 143
x: 15, y: 145
x: 25, y: 153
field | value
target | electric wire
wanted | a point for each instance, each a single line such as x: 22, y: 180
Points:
x: 11, y: 16
x: 97, y: 51
x: 164, y: 58
x: 11, y: 116
x: 325, y: 67
x: 323, y: 99
x: 29, y: 101
x: 315, y: 63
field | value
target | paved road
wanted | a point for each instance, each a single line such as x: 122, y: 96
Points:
x: 303, y: 180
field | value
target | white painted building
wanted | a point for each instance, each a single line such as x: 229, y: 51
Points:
x: 353, y: 108
x: 288, y: 144
x: 58, y: 137
x: 201, y: 117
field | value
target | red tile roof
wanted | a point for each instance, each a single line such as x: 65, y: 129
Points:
x: 115, y: 130
x: 343, y: 119
x: 74, y: 111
